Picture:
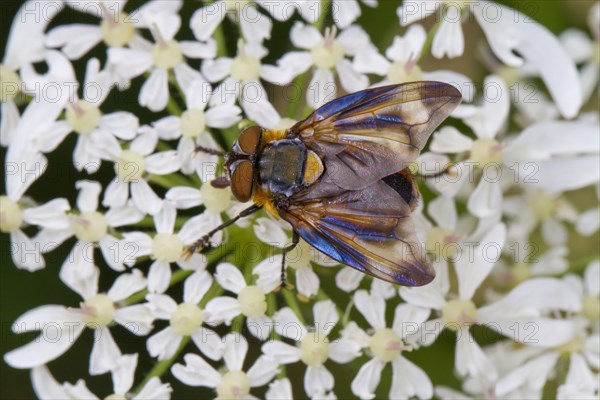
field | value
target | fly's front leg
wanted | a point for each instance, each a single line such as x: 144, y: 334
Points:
x: 287, y: 249
x: 205, y: 240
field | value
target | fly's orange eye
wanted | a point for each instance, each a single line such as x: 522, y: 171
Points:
x: 242, y: 180
x: 249, y: 139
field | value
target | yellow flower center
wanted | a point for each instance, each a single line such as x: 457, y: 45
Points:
x: 214, y: 199
x: 386, y: 345
x: 130, y: 166
x: 186, y: 319
x: 166, y: 55
x: 327, y: 54
x: 314, y: 349
x: 98, y: 311
x: 542, y: 204
x: 117, y: 29
x: 458, y: 313
x: 83, y: 117
x: 90, y: 226
x: 442, y: 243
x: 575, y: 345
x: 400, y: 72
x: 252, y: 301
x: 301, y: 256
x: 234, y: 385
x: 115, y: 397
x: 245, y: 68
x: 167, y: 247
x: 193, y: 123
x: 11, y: 216
x: 10, y: 84
x: 591, y: 307
x: 485, y: 152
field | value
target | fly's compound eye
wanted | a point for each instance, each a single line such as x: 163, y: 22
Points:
x: 242, y: 180
x: 249, y: 139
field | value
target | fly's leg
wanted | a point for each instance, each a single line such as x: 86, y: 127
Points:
x: 204, y: 240
x: 287, y: 249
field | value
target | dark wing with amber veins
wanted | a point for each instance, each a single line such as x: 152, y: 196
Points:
x: 368, y: 229
x: 368, y: 135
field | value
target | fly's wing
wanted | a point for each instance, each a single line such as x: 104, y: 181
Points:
x: 368, y: 135
x: 368, y: 229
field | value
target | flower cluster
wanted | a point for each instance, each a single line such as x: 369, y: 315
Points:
x: 510, y: 215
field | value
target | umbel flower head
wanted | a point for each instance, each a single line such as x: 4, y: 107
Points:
x: 116, y: 122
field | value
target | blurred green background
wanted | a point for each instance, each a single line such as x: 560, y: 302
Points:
x: 21, y: 291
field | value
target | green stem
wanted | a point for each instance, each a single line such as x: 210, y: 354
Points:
x: 162, y: 366
x: 292, y: 302
x: 169, y: 181
x: 429, y: 40
x: 178, y: 276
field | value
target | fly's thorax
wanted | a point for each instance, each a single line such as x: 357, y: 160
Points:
x: 286, y: 166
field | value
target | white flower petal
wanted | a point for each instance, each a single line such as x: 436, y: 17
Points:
x: 155, y: 91
x: 163, y: 344
x: 144, y: 197
x: 196, y: 286
x: 371, y: 307
x: 184, y: 197
x: 196, y: 372
x: 326, y: 316
x: 236, y: 347
x: 105, y: 352
x: 408, y: 380
x: 282, y: 353
x: 230, y: 277
x: 159, y: 276
x: 127, y: 284
x: 288, y: 325
x: 367, y: 379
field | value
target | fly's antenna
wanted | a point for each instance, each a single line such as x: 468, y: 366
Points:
x: 202, y: 149
x: 220, y: 182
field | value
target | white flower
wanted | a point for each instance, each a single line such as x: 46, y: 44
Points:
x: 233, y: 382
x: 506, y: 31
x: 254, y: 25
x: 485, y: 152
x: 251, y: 302
x: 543, y: 147
x: 24, y: 46
x: 506, y: 315
x: 132, y: 167
x: 314, y: 348
x: 403, y: 55
x: 46, y: 387
x: 191, y: 129
x: 240, y: 78
x: 91, y: 228
x: 347, y: 11
x: 326, y: 53
x: 65, y: 324
x: 117, y: 28
x: 84, y: 117
x: 549, y: 211
x: 584, y: 51
x: 167, y: 247
x: 16, y: 212
x: 386, y: 346
x: 307, y: 281
x: 51, y: 91
x: 160, y: 58
x: 185, y: 319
